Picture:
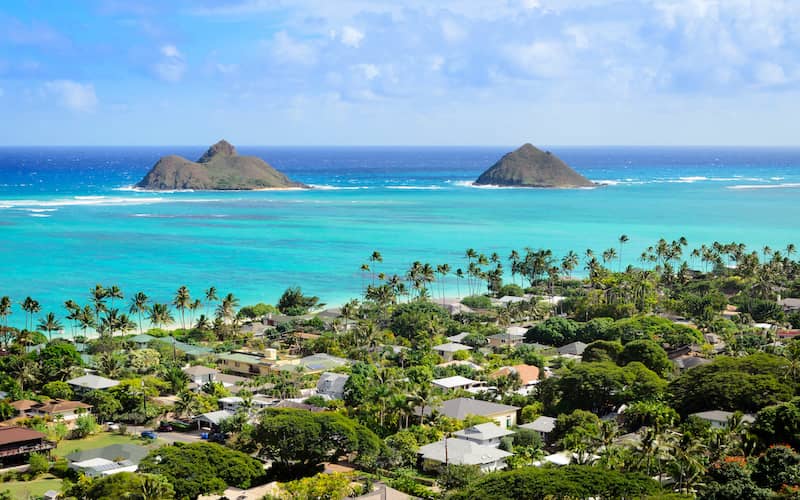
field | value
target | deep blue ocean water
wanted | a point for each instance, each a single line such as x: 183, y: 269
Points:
x: 68, y: 218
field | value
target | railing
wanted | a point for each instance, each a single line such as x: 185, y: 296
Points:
x: 45, y: 445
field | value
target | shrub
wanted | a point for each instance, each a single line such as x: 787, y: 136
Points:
x: 477, y: 302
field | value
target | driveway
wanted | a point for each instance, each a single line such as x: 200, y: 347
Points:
x: 168, y: 437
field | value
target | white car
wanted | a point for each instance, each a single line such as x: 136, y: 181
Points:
x: 112, y: 426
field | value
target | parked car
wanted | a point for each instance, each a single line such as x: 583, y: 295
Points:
x: 149, y: 435
x: 111, y: 426
x: 165, y: 427
x: 218, y: 437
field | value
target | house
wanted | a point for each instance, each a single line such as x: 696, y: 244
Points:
x: 447, y: 350
x: 59, y: 409
x: 211, y: 420
x: 505, y: 340
x: 462, y: 452
x: 487, y: 434
x: 543, y: 426
x: 457, y: 308
x: 108, y: 460
x: 472, y: 366
x: 458, y: 338
x: 315, y: 363
x: 460, y: 408
x: 269, y: 490
x: 790, y: 305
x: 331, y: 385
x: 141, y: 341
x: 245, y: 363
x: 518, y: 331
x: 257, y: 403
x: 88, y: 383
x: 719, y: 419
x: 23, y: 405
x: 191, y: 350
x: 17, y: 443
x: 572, y: 349
x: 528, y: 374
x: 286, y: 403
x: 788, y: 334
x: 383, y: 492
x: 457, y: 382
x: 200, y: 375
x: 687, y: 362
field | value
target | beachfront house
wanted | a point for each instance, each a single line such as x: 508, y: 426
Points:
x: 458, y: 382
x: 446, y: 351
x: 200, y: 375
x: 248, y: 363
x: 17, y: 443
x: 316, y: 363
x: 141, y: 341
x: 457, y: 451
x: 719, y: 419
x: 543, y: 426
x: 460, y: 408
x: 211, y: 420
x: 88, y: 383
x: 488, y: 434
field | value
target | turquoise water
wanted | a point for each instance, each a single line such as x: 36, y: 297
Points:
x: 68, y: 220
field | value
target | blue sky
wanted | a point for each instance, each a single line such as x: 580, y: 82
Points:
x: 414, y: 72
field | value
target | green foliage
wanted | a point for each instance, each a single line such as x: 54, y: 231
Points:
x: 510, y: 290
x: 554, y: 331
x: 702, y: 306
x: 38, y: 464
x: 402, y: 449
x: 418, y: 321
x: 106, y: 406
x: 655, y: 328
x: 572, y: 481
x: 6, y: 410
x: 453, y: 476
x: 144, y: 360
x: 779, y: 424
x: 573, y: 425
x: 531, y: 412
x: 257, y: 311
x: 56, y: 359
x: 648, y: 353
x: 85, y: 425
x: 298, y: 440
x: 731, y: 481
x: 477, y: 302
x: 58, y: 390
x: 745, y: 384
x: 334, y: 486
x: 655, y: 414
x: 602, y: 350
x: 130, y: 485
x: 202, y: 468
x: 294, y: 303
x: 759, y: 309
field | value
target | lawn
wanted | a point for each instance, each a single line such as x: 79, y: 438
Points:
x: 101, y: 440
x: 35, y: 488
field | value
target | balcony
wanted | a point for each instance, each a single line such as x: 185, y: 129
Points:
x: 30, y: 448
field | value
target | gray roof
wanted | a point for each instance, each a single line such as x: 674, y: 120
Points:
x: 790, y: 303
x: 721, y: 416
x: 315, y: 362
x: 460, y: 408
x: 451, y: 347
x: 93, y: 382
x: 215, y: 417
x: 687, y: 362
x: 483, y: 432
x: 116, y: 452
x: 575, y: 348
x: 332, y: 384
x: 200, y: 370
x: 459, y: 337
x: 541, y: 424
x: 462, y: 452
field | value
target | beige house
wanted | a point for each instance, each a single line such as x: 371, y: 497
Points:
x: 460, y: 408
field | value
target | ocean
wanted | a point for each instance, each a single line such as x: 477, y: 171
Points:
x: 69, y: 218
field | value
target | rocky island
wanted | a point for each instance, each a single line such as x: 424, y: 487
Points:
x: 220, y: 168
x: 529, y: 166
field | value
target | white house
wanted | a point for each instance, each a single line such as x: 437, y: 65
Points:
x: 719, y: 419
x: 331, y: 385
x: 457, y: 382
x: 447, y: 350
x: 487, y: 434
x: 257, y: 403
x: 542, y: 425
x: 463, y: 452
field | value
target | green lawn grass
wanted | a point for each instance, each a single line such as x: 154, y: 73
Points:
x: 35, y: 488
x: 101, y: 440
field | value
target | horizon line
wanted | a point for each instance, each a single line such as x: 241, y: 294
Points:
x: 730, y: 146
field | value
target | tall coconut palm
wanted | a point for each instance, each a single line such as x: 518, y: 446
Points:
x: 211, y: 297
x: 181, y: 302
x: 569, y: 263
x: 5, y: 312
x: 98, y: 296
x: 375, y: 257
x: 622, y: 240
x: 114, y: 292
x: 160, y: 315
x: 31, y: 307
x: 73, y: 309
x: 50, y: 324
x: 86, y: 319
x: 140, y: 304
x: 193, y: 307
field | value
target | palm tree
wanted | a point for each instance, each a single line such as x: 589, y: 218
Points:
x: 98, y: 298
x: 160, y: 315
x: 139, y: 305
x: 375, y: 257
x: 211, y: 297
x: 569, y: 263
x: 203, y: 323
x: 5, y: 312
x: 73, y: 309
x: 31, y: 307
x: 622, y: 240
x: 86, y: 319
x: 176, y: 379
x: 609, y: 255
x: 50, y: 324
x: 114, y: 292
x: 181, y: 302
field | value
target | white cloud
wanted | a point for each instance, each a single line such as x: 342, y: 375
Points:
x: 72, y: 95
x: 172, y: 65
x: 542, y: 59
x: 452, y: 31
x: 288, y: 50
x: 769, y: 73
x: 352, y: 37
x: 368, y: 71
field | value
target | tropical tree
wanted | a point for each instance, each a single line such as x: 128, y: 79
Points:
x: 160, y: 315
x: 50, y: 324
x: 181, y: 302
x: 5, y: 312
x: 140, y: 304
